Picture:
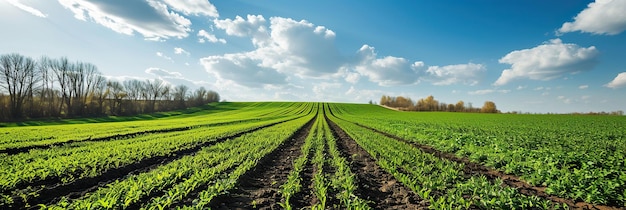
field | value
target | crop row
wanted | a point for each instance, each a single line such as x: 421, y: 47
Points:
x: 340, y: 185
x: 440, y: 181
x: 32, y: 136
x: 576, y: 157
x: 192, y: 181
x: 23, y: 174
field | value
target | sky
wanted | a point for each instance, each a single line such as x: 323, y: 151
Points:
x: 534, y: 56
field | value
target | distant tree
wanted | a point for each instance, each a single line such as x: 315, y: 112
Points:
x: 460, y: 106
x: 18, y: 78
x: 180, y: 94
x: 489, y: 107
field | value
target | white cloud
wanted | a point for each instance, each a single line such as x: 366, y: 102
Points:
x: 582, y: 87
x: 26, y: 8
x: 160, y: 54
x: 600, y: 17
x: 388, y: 70
x: 301, y: 48
x: 253, y: 26
x: 178, y: 51
x: 152, y: 19
x: 547, y: 61
x: 286, y: 47
x: 618, y: 82
x: 162, y: 73
x: 487, y: 91
x: 242, y: 69
x: 206, y: 36
x: 467, y: 74
x: 195, y: 7
x: 521, y: 87
x: 352, y: 77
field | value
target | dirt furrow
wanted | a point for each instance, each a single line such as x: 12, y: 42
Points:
x: 374, y: 183
x: 472, y: 169
x: 53, y: 189
x: 259, y: 188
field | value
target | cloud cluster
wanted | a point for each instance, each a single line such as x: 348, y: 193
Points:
x: 286, y: 47
x: 618, y: 82
x: 547, y: 61
x: 301, y: 49
x: 155, y: 20
x: 600, y: 17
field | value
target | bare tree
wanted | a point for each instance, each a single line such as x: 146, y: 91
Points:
x: 153, y: 90
x: 116, y: 94
x: 180, y: 94
x: 18, y: 75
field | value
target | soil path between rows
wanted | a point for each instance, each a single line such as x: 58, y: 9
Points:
x: 259, y: 188
x: 472, y: 169
x: 374, y: 183
x: 53, y: 189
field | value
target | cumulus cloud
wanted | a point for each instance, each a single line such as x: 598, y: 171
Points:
x: 178, y: 51
x: 547, y: 61
x: 152, y: 19
x: 241, y: 69
x: 195, y: 7
x: 487, y: 91
x: 27, y: 8
x: 467, y: 74
x: 285, y: 47
x: 240, y: 26
x: 206, y: 36
x: 582, y: 87
x: 388, y: 70
x: 600, y: 17
x: 618, y: 82
x: 304, y: 50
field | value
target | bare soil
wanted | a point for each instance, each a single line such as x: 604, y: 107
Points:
x: 374, y: 183
x: 259, y: 188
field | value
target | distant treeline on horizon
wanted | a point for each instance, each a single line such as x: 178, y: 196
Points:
x: 52, y: 88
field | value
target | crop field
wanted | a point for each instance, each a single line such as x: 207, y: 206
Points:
x: 287, y: 155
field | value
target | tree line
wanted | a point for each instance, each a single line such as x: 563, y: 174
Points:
x: 430, y: 104
x: 52, y: 88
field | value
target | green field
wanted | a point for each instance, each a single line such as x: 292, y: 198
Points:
x: 287, y: 155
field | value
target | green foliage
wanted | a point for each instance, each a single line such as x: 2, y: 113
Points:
x: 576, y: 157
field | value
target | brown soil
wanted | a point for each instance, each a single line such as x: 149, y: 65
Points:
x: 472, y: 169
x: 374, y: 183
x: 53, y: 189
x: 259, y: 188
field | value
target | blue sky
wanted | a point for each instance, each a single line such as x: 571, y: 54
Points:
x: 531, y: 56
